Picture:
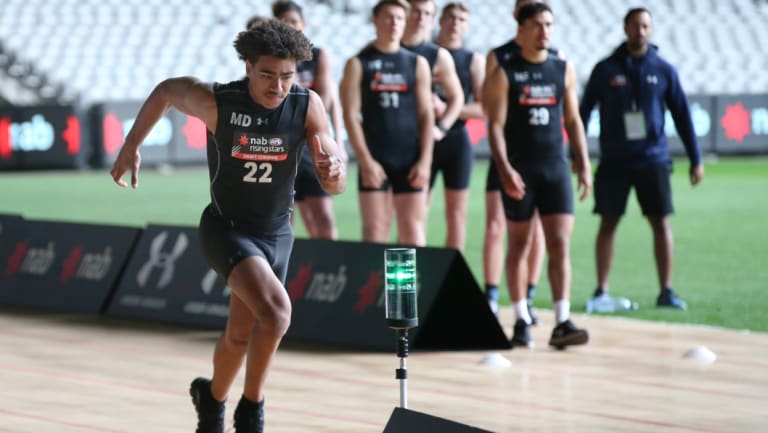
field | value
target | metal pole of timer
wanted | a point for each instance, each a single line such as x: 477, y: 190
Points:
x: 400, y: 305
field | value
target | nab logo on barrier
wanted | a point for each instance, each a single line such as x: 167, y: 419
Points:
x: 338, y: 298
x: 62, y: 266
x: 168, y: 280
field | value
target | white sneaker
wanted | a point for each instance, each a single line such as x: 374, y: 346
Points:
x: 606, y: 303
x: 493, y: 304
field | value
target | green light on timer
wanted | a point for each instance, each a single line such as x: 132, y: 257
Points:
x: 400, y: 282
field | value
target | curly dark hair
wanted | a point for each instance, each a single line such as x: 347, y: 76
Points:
x: 272, y: 38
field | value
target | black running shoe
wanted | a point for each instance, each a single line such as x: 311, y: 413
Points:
x: 249, y: 416
x: 667, y: 298
x: 567, y: 334
x: 210, y: 413
x: 521, y: 334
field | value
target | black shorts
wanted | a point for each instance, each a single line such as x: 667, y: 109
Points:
x: 224, y: 246
x: 547, y: 188
x: 397, y: 179
x: 453, y: 156
x: 651, y: 183
x: 306, y: 184
x: 492, y: 182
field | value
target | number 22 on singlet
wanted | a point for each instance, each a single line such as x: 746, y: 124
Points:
x: 254, y: 168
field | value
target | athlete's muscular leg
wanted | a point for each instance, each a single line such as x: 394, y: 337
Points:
x: 231, y: 348
x: 317, y: 214
x: 456, y: 202
x: 493, y: 243
x: 663, y: 248
x: 538, y: 248
x: 604, y: 246
x: 557, y: 232
x: 411, y: 210
x: 376, y: 214
x: 254, y: 282
x: 517, y: 252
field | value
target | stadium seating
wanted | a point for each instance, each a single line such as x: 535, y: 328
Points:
x: 89, y: 51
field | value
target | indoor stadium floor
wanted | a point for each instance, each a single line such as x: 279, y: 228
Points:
x: 68, y: 374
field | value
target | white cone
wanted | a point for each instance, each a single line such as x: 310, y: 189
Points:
x: 701, y: 354
x: 495, y: 360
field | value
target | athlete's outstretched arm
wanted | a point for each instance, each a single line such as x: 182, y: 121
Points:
x: 329, y: 165
x: 576, y: 136
x: 187, y: 94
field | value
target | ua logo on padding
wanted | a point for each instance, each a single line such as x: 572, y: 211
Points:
x: 159, y: 259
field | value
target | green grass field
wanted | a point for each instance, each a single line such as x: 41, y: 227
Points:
x: 721, y: 259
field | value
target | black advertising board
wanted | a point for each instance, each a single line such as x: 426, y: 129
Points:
x: 168, y: 280
x: 742, y: 124
x: 41, y: 137
x: 59, y: 266
x: 337, y: 292
x: 702, y: 115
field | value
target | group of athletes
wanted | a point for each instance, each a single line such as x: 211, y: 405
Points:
x: 403, y: 101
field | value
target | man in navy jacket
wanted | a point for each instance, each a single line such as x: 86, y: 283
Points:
x: 633, y: 86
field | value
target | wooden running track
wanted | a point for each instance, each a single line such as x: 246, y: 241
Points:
x: 68, y: 374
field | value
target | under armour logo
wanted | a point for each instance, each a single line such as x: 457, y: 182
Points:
x: 159, y: 259
x: 209, y: 283
x: 261, y: 121
x: 652, y: 79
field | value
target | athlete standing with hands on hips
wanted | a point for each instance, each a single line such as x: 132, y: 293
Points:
x: 245, y: 231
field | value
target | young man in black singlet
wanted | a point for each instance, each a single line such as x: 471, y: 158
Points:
x: 258, y: 124
x: 528, y: 99
x: 314, y: 204
x: 387, y: 101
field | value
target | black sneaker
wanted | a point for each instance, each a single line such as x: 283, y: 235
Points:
x: 534, y: 319
x: 567, y: 334
x: 210, y: 413
x: 249, y: 416
x: 667, y: 298
x: 521, y: 334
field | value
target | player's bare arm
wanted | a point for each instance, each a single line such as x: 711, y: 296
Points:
x: 188, y: 95
x: 474, y: 109
x: 576, y: 136
x: 329, y: 165
x: 446, y: 76
x: 495, y: 104
x: 371, y: 172
x: 419, y: 174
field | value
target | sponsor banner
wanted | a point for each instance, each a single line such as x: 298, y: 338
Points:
x: 190, y: 139
x: 337, y: 292
x: 111, y: 122
x: 61, y: 266
x: 168, y: 280
x: 41, y: 137
x: 742, y: 124
x: 702, y: 115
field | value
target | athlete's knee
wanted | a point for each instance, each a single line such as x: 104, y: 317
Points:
x: 236, y: 336
x: 275, y: 320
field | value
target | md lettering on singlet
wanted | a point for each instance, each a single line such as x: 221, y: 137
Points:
x: 245, y: 120
x: 162, y: 260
